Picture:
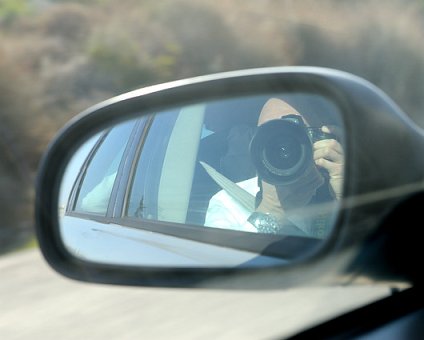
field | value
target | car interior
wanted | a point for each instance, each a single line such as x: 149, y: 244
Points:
x: 226, y: 149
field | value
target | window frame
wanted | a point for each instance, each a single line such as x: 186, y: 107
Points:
x: 129, y: 149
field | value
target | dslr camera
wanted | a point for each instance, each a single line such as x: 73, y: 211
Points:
x: 281, y: 149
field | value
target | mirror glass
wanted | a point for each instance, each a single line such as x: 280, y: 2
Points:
x: 246, y: 181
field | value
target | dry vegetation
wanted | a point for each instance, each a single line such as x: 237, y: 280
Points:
x: 59, y: 57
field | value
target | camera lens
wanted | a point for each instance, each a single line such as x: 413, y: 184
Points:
x: 281, y: 151
x: 280, y: 156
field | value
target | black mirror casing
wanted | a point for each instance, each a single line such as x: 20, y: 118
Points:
x: 384, y: 168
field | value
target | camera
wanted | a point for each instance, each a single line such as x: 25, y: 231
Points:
x: 281, y: 149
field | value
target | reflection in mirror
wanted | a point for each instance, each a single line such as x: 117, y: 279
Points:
x: 249, y: 181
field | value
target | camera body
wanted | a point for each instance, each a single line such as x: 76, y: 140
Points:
x: 282, y: 151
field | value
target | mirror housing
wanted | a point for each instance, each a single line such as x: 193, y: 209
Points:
x: 384, y: 167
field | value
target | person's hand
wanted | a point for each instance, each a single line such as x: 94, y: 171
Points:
x: 276, y: 199
x: 329, y: 154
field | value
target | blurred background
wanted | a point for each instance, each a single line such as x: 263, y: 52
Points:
x: 59, y: 57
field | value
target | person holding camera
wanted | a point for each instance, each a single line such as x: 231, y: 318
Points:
x: 299, y: 178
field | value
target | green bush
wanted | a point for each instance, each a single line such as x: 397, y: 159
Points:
x: 12, y: 9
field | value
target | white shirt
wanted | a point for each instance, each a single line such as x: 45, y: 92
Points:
x: 225, y: 212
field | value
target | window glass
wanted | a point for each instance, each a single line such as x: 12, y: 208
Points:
x: 170, y: 183
x: 142, y: 202
x: 72, y: 171
x: 100, y: 174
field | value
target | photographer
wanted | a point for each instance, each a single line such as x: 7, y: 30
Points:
x: 303, y: 204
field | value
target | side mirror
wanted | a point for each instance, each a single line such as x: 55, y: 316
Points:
x: 281, y: 171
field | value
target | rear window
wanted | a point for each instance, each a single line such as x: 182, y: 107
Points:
x: 99, y: 176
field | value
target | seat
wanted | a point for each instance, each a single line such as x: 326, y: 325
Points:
x: 227, y: 152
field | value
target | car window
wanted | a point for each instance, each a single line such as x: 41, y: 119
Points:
x: 72, y: 171
x: 187, y: 155
x: 169, y: 181
x: 142, y: 201
x: 161, y: 185
x: 100, y: 173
